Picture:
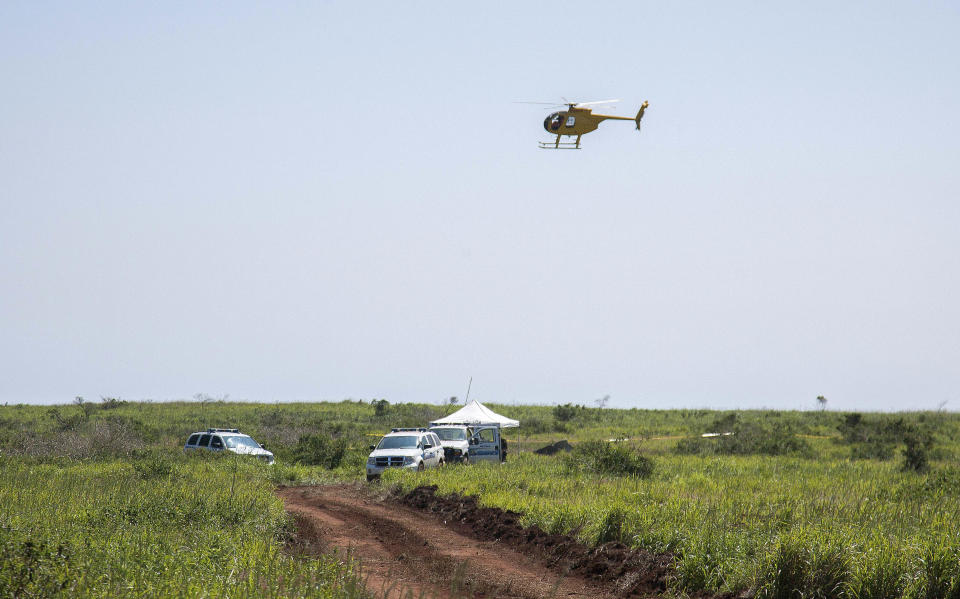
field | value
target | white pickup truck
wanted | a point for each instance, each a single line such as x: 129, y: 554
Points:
x: 475, y: 443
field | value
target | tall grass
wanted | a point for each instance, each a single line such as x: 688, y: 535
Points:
x: 781, y: 526
x: 152, y: 527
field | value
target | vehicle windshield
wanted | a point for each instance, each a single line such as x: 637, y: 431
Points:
x: 404, y: 442
x: 241, y: 441
x: 450, y: 434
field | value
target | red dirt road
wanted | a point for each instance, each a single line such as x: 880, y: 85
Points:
x: 406, y: 552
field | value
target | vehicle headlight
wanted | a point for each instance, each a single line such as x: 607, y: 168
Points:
x: 371, y: 461
x: 407, y: 460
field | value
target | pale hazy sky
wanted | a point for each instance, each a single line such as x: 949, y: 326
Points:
x: 303, y: 201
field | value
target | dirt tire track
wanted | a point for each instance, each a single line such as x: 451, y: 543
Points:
x: 404, y: 551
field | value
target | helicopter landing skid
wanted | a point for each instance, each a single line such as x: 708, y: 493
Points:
x: 564, y: 145
x: 560, y: 145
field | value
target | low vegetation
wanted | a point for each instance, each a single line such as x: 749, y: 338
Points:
x: 97, y: 498
x: 749, y: 438
x: 602, y: 457
x: 320, y: 450
x: 155, y: 525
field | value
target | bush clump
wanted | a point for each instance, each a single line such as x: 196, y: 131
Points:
x: 878, y: 439
x: 602, y: 457
x: 917, y: 446
x: 152, y: 464
x: 567, y: 412
x: 872, y: 438
x: 79, y: 439
x: 380, y: 407
x: 320, y: 450
x: 747, y: 439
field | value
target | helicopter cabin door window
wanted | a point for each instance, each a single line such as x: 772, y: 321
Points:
x: 571, y: 120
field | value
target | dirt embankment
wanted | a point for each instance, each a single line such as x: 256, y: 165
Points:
x: 426, y: 545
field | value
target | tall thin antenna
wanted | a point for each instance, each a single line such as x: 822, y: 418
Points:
x: 467, y: 399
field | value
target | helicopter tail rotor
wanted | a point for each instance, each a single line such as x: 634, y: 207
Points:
x: 643, y: 108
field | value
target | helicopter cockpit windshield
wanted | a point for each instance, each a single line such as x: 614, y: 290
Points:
x: 552, y: 123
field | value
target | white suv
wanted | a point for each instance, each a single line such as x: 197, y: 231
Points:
x: 227, y: 439
x: 410, y: 448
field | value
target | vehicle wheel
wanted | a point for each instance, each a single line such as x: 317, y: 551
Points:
x: 465, y: 460
x: 371, y: 477
x: 420, y: 467
x: 441, y: 464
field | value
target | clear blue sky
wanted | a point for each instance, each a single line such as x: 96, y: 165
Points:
x: 303, y: 201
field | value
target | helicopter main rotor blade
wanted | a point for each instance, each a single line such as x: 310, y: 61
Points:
x: 541, y: 103
x: 596, y: 102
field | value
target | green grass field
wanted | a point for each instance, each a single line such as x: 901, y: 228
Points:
x: 97, y: 499
x: 152, y: 527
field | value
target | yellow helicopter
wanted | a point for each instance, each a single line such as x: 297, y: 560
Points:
x: 578, y: 120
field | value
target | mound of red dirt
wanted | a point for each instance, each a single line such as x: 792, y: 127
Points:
x: 625, y: 571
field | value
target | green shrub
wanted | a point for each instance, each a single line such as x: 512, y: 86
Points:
x: 874, y: 449
x: 152, y: 464
x: 67, y: 422
x: 878, y: 437
x: 566, y: 412
x: 602, y: 457
x: 747, y: 439
x: 857, y: 429
x: 111, y: 403
x: 725, y: 423
x: 320, y: 450
x: 917, y: 445
x: 380, y: 407
x: 871, y: 438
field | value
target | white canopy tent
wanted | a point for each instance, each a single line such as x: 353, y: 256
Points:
x: 475, y: 413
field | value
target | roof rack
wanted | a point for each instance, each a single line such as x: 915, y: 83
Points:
x: 223, y: 430
x: 408, y: 430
